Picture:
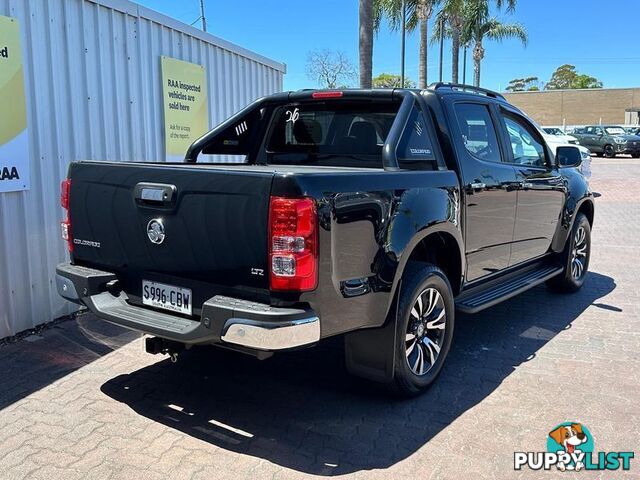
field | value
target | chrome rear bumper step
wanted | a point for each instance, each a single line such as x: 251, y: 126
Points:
x: 224, y: 320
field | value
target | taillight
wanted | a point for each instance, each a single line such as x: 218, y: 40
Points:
x: 65, y: 189
x: 65, y: 226
x: 293, y: 244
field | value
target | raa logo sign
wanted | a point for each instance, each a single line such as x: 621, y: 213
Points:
x: 14, y: 135
x: 9, y: 173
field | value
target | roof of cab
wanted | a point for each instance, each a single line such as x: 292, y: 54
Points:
x: 354, y: 93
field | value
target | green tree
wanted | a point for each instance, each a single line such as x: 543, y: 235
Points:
x: 566, y: 77
x: 418, y: 13
x: 523, y: 84
x: 478, y: 25
x: 586, y: 81
x: 452, y: 22
x: 365, y: 42
x: 389, y: 80
x: 562, y: 78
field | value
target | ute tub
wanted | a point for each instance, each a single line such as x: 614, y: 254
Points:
x: 224, y: 320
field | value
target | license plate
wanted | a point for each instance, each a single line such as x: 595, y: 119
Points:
x: 167, y: 297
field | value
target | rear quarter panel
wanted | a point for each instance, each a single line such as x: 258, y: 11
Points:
x: 369, y: 223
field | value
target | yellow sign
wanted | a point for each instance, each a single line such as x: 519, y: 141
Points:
x: 14, y: 139
x: 186, y: 113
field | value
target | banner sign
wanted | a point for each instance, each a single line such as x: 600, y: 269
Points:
x: 14, y: 138
x: 186, y: 113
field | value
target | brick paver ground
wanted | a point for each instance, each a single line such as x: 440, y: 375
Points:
x: 83, y: 400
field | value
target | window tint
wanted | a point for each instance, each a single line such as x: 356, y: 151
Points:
x: 331, y: 129
x: 526, y: 149
x: 415, y: 144
x: 478, y: 134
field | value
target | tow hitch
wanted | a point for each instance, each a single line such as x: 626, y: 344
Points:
x: 155, y: 345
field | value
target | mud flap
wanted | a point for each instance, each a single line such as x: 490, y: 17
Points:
x: 370, y: 353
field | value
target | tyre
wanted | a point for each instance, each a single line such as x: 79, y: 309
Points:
x: 575, y: 257
x: 424, y: 328
x: 609, y: 151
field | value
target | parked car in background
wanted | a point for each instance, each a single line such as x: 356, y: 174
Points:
x: 555, y: 141
x: 373, y: 214
x: 609, y: 140
x: 557, y: 132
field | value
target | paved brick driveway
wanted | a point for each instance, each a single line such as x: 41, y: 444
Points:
x: 83, y: 401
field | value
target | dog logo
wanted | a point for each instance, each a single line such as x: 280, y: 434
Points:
x: 569, y: 437
x: 570, y: 447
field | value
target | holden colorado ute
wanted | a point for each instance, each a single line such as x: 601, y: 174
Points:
x: 371, y: 214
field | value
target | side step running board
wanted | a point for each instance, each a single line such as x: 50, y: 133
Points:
x: 497, y: 290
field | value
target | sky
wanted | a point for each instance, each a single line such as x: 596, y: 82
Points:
x: 600, y: 37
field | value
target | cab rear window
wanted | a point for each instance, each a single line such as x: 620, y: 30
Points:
x: 331, y: 133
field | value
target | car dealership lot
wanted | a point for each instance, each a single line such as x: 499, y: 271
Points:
x: 84, y: 401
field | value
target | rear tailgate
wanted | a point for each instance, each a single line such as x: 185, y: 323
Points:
x: 214, y: 224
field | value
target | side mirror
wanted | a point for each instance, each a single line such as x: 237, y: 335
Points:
x: 568, y: 156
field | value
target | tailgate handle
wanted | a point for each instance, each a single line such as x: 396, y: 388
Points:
x: 154, y: 193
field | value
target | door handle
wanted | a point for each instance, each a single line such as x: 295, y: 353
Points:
x: 154, y: 193
x: 478, y: 185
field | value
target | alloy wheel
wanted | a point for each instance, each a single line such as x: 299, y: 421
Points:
x: 579, y: 253
x: 609, y: 152
x: 425, y: 331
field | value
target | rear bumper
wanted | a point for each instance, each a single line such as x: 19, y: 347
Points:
x: 224, y: 320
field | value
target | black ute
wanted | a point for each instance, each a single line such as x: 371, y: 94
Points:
x: 370, y: 213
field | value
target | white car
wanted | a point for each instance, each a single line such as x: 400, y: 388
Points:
x: 555, y: 141
x: 560, y: 135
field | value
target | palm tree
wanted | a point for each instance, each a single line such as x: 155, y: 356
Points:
x: 424, y: 11
x: 478, y: 25
x: 366, y: 42
x: 418, y: 13
x: 451, y: 18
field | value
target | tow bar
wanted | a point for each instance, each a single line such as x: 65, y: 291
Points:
x: 155, y: 345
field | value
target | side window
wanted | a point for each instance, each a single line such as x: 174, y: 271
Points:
x: 234, y: 144
x: 526, y: 149
x: 477, y: 130
x: 415, y: 144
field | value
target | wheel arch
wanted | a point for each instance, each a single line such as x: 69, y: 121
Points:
x: 587, y: 208
x: 578, y: 199
x: 440, y: 245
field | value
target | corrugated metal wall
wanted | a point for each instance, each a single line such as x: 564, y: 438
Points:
x: 92, y: 74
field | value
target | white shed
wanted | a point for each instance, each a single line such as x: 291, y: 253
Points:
x: 93, y: 91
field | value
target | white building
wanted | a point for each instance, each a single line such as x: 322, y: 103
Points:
x: 93, y: 91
